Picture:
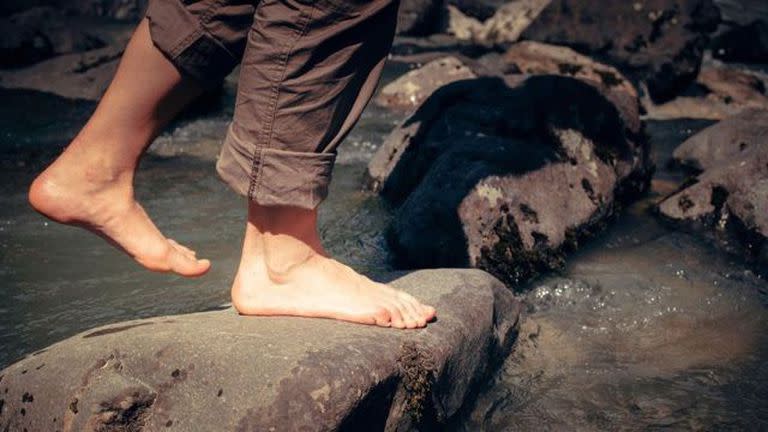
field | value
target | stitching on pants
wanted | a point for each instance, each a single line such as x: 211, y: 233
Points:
x: 257, y: 164
x: 204, y: 18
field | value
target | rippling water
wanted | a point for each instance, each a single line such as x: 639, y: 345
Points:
x: 646, y: 328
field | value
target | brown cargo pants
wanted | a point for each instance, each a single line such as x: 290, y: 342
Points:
x: 308, y: 70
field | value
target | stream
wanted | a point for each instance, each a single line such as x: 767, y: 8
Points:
x: 645, y: 328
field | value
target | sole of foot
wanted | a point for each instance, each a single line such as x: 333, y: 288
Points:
x: 107, y: 209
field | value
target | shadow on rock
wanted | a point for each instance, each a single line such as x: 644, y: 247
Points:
x: 508, y: 175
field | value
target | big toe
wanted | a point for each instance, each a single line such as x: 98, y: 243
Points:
x: 186, y: 264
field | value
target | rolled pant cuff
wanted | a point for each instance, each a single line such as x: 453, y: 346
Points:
x: 180, y: 36
x: 273, y: 177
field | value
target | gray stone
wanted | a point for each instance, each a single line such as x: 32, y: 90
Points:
x: 217, y: 371
x: 728, y: 201
x: 410, y: 90
x: 493, y: 174
x: 504, y: 27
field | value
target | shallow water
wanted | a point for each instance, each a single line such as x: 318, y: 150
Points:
x: 56, y: 281
x: 646, y: 328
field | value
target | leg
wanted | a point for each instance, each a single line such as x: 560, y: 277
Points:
x: 309, y: 70
x: 91, y: 183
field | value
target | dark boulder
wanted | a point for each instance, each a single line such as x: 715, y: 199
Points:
x: 40, y: 33
x: 419, y: 17
x: 742, y: 12
x: 479, y: 9
x: 747, y: 44
x: 410, y: 89
x: 728, y: 201
x: 659, y: 42
x: 117, y: 9
x: 507, y: 176
x: 77, y: 76
x: 535, y: 58
x: 217, y: 371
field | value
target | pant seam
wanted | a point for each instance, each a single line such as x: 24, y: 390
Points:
x: 257, y: 163
x: 199, y: 30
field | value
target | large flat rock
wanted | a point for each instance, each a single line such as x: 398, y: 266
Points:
x: 219, y: 371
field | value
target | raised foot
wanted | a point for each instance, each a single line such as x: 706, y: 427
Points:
x: 107, y: 208
x: 321, y: 287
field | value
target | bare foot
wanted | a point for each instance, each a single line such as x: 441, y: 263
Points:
x: 76, y: 190
x: 285, y: 271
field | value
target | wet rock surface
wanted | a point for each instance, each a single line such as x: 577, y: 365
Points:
x: 728, y: 201
x: 492, y: 175
x: 218, y: 371
x: 658, y: 42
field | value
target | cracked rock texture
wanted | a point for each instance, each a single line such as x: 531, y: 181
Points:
x: 215, y: 370
x: 490, y: 173
x: 728, y: 200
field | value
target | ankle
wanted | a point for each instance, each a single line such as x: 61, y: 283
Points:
x: 97, y: 164
x: 281, y: 240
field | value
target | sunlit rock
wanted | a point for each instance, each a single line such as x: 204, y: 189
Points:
x: 493, y: 174
x: 505, y: 25
x: 217, y: 371
x: 729, y: 199
x: 724, y: 91
x: 412, y: 88
x: 655, y: 41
